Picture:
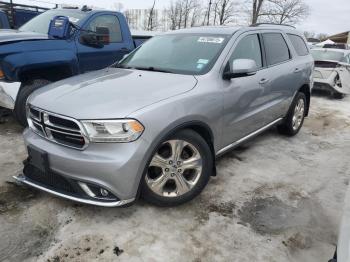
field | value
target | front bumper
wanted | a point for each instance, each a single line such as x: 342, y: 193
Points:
x: 116, y: 167
x: 8, y: 94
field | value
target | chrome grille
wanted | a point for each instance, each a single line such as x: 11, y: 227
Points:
x: 59, y: 129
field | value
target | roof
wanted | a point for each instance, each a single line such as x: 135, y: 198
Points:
x: 224, y: 30
x: 229, y: 30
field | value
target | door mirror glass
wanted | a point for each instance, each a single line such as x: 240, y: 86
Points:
x: 241, y: 68
x: 91, y: 39
x: 103, y: 35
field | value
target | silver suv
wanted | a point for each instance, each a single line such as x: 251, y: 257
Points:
x: 152, y: 125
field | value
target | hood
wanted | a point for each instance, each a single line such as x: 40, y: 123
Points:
x: 110, y: 93
x: 7, y: 35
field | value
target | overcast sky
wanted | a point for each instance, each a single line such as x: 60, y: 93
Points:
x: 327, y: 16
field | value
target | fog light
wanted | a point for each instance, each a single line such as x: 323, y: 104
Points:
x: 104, y: 192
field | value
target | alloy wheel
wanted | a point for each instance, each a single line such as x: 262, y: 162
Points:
x: 174, y: 169
x: 299, y: 114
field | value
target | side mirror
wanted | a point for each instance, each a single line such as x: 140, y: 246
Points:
x: 103, y: 35
x: 59, y: 27
x: 91, y: 39
x: 241, y: 68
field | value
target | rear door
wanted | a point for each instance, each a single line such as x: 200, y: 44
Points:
x: 115, y: 47
x: 283, y: 75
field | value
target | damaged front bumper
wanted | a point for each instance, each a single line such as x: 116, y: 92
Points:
x: 8, y: 94
x: 335, y: 80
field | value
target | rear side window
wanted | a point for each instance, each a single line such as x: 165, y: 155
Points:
x: 277, y: 50
x: 248, y: 48
x: 298, y: 44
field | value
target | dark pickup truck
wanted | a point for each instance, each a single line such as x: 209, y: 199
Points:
x: 55, y: 45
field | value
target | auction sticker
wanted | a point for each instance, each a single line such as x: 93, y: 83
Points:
x: 212, y: 40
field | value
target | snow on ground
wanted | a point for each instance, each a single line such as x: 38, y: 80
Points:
x: 274, y: 199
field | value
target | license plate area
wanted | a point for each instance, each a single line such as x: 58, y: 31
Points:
x: 38, y: 158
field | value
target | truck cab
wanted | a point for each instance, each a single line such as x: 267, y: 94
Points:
x: 33, y: 57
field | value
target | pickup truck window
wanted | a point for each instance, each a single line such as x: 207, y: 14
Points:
x: 41, y: 23
x: 180, y: 54
x: 109, y: 22
x: 248, y: 48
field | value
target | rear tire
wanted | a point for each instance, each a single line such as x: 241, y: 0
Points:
x: 337, y: 95
x: 24, y: 92
x: 295, y: 117
x: 169, y: 180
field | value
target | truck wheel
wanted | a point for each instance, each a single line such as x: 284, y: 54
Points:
x: 24, y: 92
x: 178, y: 171
x: 295, y: 117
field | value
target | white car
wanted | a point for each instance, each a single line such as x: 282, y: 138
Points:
x: 343, y: 249
x: 332, y: 71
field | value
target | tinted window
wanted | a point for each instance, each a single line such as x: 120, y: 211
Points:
x: 276, y: 48
x: 248, y: 48
x: 104, y: 25
x: 298, y: 44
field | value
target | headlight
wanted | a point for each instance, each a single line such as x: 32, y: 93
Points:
x: 113, y: 131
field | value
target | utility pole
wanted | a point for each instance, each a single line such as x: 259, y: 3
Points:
x: 209, y: 9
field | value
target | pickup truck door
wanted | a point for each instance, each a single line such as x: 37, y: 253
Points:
x: 116, y: 37
x: 245, y: 97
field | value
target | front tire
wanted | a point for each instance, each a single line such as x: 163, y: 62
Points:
x: 179, y: 170
x: 295, y: 117
x: 24, y: 92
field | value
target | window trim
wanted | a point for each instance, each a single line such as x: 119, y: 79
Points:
x: 87, y: 23
x: 307, y: 48
x: 226, y: 62
x: 285, y: 40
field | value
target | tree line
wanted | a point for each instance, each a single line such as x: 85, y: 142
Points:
x: 189, y: 13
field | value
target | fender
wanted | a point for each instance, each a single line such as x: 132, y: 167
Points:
x: 15, y: 64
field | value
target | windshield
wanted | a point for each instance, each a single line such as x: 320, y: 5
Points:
x: 41, y: 23
x: 177, y: 53
x: 321, y: 55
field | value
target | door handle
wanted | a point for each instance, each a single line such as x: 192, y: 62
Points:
x: 264, y: 81
x: 124, y: 49
x: 297, y: 70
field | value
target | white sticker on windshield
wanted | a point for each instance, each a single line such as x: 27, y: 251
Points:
x: 203, y: 61
x: 212, y: 40
x: 200, y: 66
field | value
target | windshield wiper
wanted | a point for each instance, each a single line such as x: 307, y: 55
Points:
x: 153, y: 69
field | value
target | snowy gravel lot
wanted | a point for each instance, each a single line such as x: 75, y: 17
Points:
x: 274, y: 199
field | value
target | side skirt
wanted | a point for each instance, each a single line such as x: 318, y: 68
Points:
x: 244, y: 139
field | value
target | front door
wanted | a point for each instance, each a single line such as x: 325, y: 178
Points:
x: 114, y: 48
x: 245, y: 97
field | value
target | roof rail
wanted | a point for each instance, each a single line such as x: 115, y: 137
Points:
x: 273, y: 24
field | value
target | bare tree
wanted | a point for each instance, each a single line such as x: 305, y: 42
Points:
x: 225, y: 10
x: 257, y: 7
x: 322, y: 36
x: 172, y: 13
x: 309, y: 34
x: 285, y: 11
x: 151, y: 18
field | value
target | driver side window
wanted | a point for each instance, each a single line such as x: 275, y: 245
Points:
x: 106, y: 27
x: 248, y: 48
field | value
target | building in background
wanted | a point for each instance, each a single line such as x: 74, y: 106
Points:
x: 343, y: 38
